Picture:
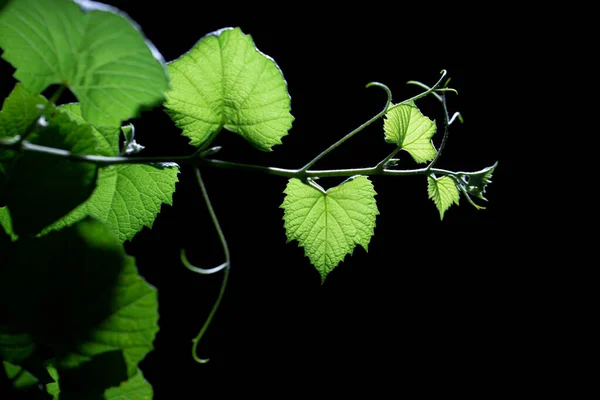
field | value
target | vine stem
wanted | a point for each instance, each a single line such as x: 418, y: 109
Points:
x: 226, y: 265
x: 445, y: 137
x: 385, y: 110
x: 354, y: 132
x: 199, y: 158
x: 195, y: 160
x: 56, y: 95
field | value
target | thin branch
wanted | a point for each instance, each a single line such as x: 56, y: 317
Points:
x: 382, y: 163
x: 354, y: 132
x: 226, y: 265
x: 196, y: 160
x: 199, y: 158
x: 445, y: 137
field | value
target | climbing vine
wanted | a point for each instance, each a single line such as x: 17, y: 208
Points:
x: 75, y: 184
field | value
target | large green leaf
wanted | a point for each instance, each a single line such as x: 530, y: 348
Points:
x: 39, y: 188
x: 76, y: 294
x: 329, y: 224
x: 127, y: 198
x: 95, y: 49
x: 224, y: 81
x: 405, y: 126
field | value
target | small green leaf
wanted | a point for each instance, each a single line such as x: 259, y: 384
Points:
x: 6, y: 223
x: 21, y: 379
x: 127, y: 198
x: 38, y: 188
x: 224, y: 81
x: 443, y: 192
x: 329, y: 224
x: 130, y: 145
x: 53, y: 388
x: 128, y: 134
x: 406, y: 127
x: 95, y: 49
x: 475, y: 183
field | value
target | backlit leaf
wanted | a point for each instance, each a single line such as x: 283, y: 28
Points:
x: 94, y: 49
x: 443, y: 192
x: 224, y: 81
x: 329, y: 224
x: 406, y: 127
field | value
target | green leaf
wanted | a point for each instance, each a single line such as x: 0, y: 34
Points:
x: 128, y: 134
x: 329, y: 224
x: 225, y: 81
x: 15, y: 346
x: 39, y: 188
x: 475, y: 183
x: 75, y: 292
x: 127, y: 198
x: 405, y: 126
x: 130, y: 145
x: 107, y: 137
x: 131, y: 324
x: 6, y: 223
x: 97, y: 51
x: 42, y: 188
x: 443, y: 192
x: 53, y: 388
x: 21, y: 379
x: 20, y: 109
x: 136, y: 388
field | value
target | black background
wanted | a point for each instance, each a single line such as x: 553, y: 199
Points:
x: 431, y: 307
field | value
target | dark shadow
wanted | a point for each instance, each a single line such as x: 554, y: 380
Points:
x: 59, y: 288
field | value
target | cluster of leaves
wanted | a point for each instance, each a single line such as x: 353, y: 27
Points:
x: 76, y: 318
